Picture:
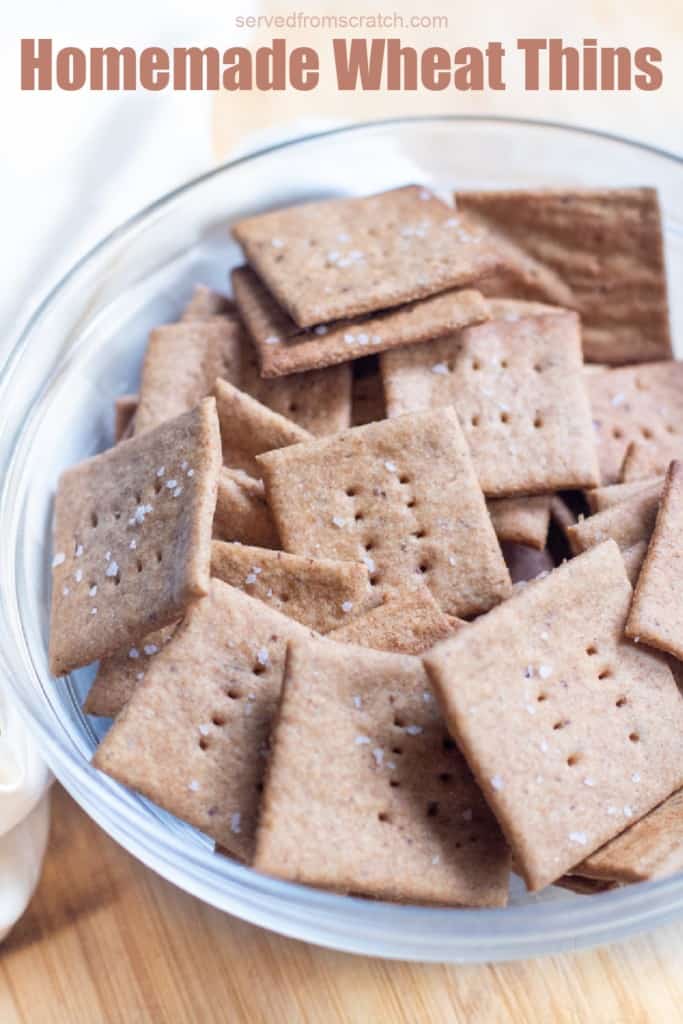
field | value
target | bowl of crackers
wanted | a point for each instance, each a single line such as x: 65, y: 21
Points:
x: 341, y: 502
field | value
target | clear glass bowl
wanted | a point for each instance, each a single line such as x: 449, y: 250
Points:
x: 83, y: 347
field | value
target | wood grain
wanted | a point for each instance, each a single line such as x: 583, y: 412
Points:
x: 106, y: 940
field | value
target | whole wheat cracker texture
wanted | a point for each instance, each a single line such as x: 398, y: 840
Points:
x: 318, y: 592
x: 125, y: 408
x: 283, y: 348
x: 628, y: 522
x: 205, y: 303
x: 242, y: 513
x: 408, y: 622
x: 181, y: 363
x: 647, y: 459
x: 650, y: 849
x: 520, y: 395
x: 656, y: 615
x: 400, y: 495
x: 572, y: 731
x: 634, y: 404
x: 248, y: 428
x: 364, y: 791
x: 521, y: 520
x: 601, y: 498
x: 132, y: 538
x: 339, y: 258
x: 119, y: 675
x: 606, y: 246
x: 194, y: 735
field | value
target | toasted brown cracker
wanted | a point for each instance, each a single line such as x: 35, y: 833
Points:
x: 602, y: 498
x: 521, y: 520
x: 125, y: 408
x: 400, y: 495
x: 652, y: 848
x: 584, y: 886
x: 193, y: 737
x: 629, y: 522
x: 242, y: 513
x: 206, y: 303
x: 132, y: 538
x: 606, y: 246
x: 339, y: 258
x: 367, y: 402
x: 647, y: 459
x: 656, y: 615
x: 519, y: 392
x: 363, y: 796
x: 635, y: 403
x: 526, y: 563
x: 181, y: 363
x: 634, y: 556
x: 317, y: 592
x: 408, y: 622
x: 249, y: 428
x: 515, y: 309
x: 120, y: 674
x: 283, y: 348
x: 583, y: 737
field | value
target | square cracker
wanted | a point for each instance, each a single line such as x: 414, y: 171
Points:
x: 521, y: 520
x: 284, y: 348
x: 194, y: 735
x: 601, y: 498
x: 206, y: 303
x: 652, y: 848
x: 181, y: 363
x: 635, y: 403
x: 656, y: 615
x: 628, y: 522
x: 408, y: 622
x: 519, y: 392
x: 572, y: 731
x: 318, y: 592
x: 645, y: 459
x: 132, y: 538
x: 119, y: 675
x: 249, y: 428
x: 339, y: 258
x: 242, y: 512
x: 606, y: 245
x: 363, y: 795
x: 400, y: 495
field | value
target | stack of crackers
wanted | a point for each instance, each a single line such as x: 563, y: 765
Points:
x: 359, y: 571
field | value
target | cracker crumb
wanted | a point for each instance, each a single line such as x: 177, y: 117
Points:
x: 59, y: 558
x: 497, y: 782
x: 578, y: 837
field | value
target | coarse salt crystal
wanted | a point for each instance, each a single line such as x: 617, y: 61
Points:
x: 133, y: 653
x: 250, y: 578
x: 320, y: 329
x: 635, y: 777
x: 194, y: 785
x: 93, y: 611
x: 262, y: 656
x: 427, y: 697
x: 171, y: 484
x: 347, y: 606
x: 436, y: 859
x: 390, y: 466
x: 204, y: 730
x: 79, y: 550
x: 544, y: 746
x: 161, y: 470
x: 59, y: 558
x: 628, y: 812
x: 545, y: 671
x: 150, y: 649
x: 272, y: 339
x: 370, y: 563
x: 338, y: 521
x: 360, y: 740
x: 112, y: 569
x: 578, y: 837
x: 277, y: 243
x: 452, y: 560
x: 357, y: 701
x: 177, y: 492
x: 236, y: 822
x: 139, y: 676
x: 440, y: 368
x: 78, y: 575
x: 349, y: 338
x: 497, y: 782
x: 378, y: 755
x: 66, y: 591
x: 133, y: 544
x: 413, y: 730
x: 588, y: 781
x: 190, y: 472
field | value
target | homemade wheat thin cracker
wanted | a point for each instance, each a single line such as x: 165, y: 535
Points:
x: 118, y: 676
x: 194, y: 735
x: 181, y: 363
x: 601, y: 498
x: 628, y: 522
x: 318, y: 592
x: 647, y: 459
x: 125, y: 408
x: 249, y: 428
x: 206, y: 303
x: 572, y: 731
x: 284, y: 348
x: 650, y: 849
x: 408, y: 622
x: 242, y: 513
x: 606, y: 246
x: 656, y: 615
x: 367, y: 393
x: 340, y: 258
x: 634, y: 404
x: 520, y: 396
x: 132, y: 538
x: 362, y: 793
x: 400, y: 495
x: 521, y: 520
